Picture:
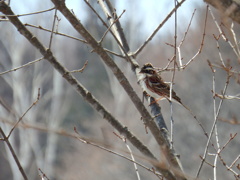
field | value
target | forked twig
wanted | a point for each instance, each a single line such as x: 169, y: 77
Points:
x: 113, y: 34
x: 183, y: 39
x: 202, y: 42
x: 229, y: 168
x: 182, y: 67
x: 108, y: 29
x: 222, y: 34
x: 118, y: 28
x: 216, y: 114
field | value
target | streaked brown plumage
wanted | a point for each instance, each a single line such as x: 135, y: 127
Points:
x: 154, y: 84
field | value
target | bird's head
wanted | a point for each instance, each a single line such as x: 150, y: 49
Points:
x: 148, y: 69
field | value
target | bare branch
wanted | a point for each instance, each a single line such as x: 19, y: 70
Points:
x: 82, y: 69
x: 157, y: 29
x: 53, y: 25
x: 183, y: 39
x: 222, y: 34
x: 33, y: 104
x: 5, y: 138
x: 57, y: 33
x: 113, y: 34
x: 81, y: 90
x: 110, y: 27
x: 216, y: 114
x: 38, y: 12
x: 202, y: 42
x: 43, y: 175
x: 27, y: 64
x: 85, y: 141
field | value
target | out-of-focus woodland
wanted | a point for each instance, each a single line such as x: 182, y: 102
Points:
x: 45, y: 140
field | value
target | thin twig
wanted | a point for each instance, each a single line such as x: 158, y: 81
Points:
x: 222, y: 34
x: 27, y: 64
x: 5, y: 138
x: 118, y: 28
x: 56, y: 33
x: 235, y: 40
x: 183, y: 39
x: 219, y: 52
x: 38, y: 12
x: 157, y: 29
x: 108, y: 29
x: 172, y: 123
x: 227, y: 69
x: 202, y: 42
x: 229, y: 168
x: 80, y: 70
x: 53, y: 25
x: 215, y: 119
x: 216, y: 131
x: 114, y: 53
x: 114, y: 36
x: 182, y: 67
x: 111, y: 151
x: 131, y: 154
x: 43, y: 174
x: 33, y: 104
x: 71, y: 37
x: 234, y: 162
x: 230, y: 139
x: 229, y: 97
x: 208, y: 163
x: 173, y: 74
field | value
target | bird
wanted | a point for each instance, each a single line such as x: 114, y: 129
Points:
x: 154, y: 85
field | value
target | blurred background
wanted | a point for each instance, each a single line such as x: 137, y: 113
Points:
x: 61, y: 108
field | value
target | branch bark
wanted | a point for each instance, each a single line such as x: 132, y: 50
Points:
x: 4, y: 8
x: 160, y: 138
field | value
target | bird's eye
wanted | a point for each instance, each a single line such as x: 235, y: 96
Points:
x: 150, y: 71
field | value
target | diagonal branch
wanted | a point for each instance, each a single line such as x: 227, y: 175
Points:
x: 5, y: 138
x: 115, y: 69
x: 166, y: 147
x: 118, y: 28
x: 160, y: 138
x: 157, y: 29
x: 81, y: 90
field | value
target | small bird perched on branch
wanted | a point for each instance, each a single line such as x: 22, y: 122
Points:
x: 154, y: 85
